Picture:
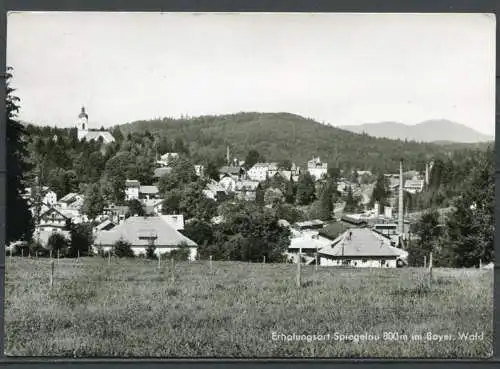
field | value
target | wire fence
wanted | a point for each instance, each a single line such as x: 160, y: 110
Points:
x: 99, y: 271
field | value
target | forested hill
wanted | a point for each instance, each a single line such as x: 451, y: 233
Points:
x: 280, y: 136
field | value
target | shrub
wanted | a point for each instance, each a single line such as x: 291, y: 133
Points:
x: 123, y: 249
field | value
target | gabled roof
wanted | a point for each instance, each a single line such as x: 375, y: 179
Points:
x: 229, y: 170
x: 247, y: 185
x: 160, y: 172
x: 53, y: 209
x: 132, y: 183
x: 107, y: 223
x: 362, y: 243
x: 70, y: 197
x: 94, y: 135
x: 134, y: 227
x: 148, y: 190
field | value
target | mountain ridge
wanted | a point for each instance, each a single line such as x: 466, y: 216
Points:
x: 430, y: 131
x: 286, y: 136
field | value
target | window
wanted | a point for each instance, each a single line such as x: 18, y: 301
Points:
x: 382, y: 262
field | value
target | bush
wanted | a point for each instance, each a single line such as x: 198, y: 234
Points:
x: 123, y: 249
x: 58, y: 243
x: 180, y: 254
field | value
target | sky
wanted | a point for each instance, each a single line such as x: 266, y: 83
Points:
x: 340, y: 69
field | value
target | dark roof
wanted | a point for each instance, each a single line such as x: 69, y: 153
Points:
x: 333, y: 230
x: 354, y: 221
x: 230, y: 170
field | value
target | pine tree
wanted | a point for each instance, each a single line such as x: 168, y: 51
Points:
x: 19, y: 221
x: 305, y: 189
x: 350, y: 202
x: 326, y: 201
x: 471, y: 227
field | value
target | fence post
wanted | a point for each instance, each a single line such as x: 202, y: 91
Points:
x: 58, y: 254
x: 22, y: 253
x: 430, y: 268
x: 109, y: 257
x: 159, y: 260
x: 172, y: 267
x: 50, y: 255
x: 264, y: 259
x: 51, y: 273
x: 425, y: 261
x: 78, y: 256
x: 298, y: 269
x: 11, y: 247
x: 480, y: 264
x: 210, y: 262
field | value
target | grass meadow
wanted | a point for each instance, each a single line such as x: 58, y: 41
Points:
x: 132, y: 308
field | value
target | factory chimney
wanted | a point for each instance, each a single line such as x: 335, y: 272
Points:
x: 426, y: 174
x: 401, y: 207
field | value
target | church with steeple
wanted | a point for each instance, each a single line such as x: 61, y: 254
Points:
x: 87, y: 134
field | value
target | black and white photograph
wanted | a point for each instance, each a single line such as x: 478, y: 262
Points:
x: 249, y: 185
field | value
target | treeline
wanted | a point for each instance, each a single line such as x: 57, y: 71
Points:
x: 283, y: 136
x: 465, y: 239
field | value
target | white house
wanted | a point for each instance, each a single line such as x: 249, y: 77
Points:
x: 414, y: 185
x: 199, y: 170
x: 214, y: 190
x: 228, y: 183
x: 148, y: 192
x: 70, y: 200
x: 167, y: 158
x: 317, y: 168
x: 132, y: 187
x: 52, y: 219
x: 141, y: 232
x: 360, y: 247
x: 84, y: 133
x: 50, y: 198
x: 259, y: 172
x: 247, y: 190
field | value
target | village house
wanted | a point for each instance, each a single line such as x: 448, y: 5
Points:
x: 161, y: 172
x: 132, y: 189
x: 260, y: 171
x: 142, y: 232
x: 199, y: 170
x: 235, y: 172
x: 86, y: 134
x: 228, y: 183
x: 167, y: 159
x: 104, y: 226
x: 115, y: 213
x: 316, y: 168
x: 50, y: 198
x: 247, y: 190
x: 70, y: 200
x: 414, y: 185
x: 214, y: 191
x: 362, y: 248
x: 148, y: 192
x: 52, y: 219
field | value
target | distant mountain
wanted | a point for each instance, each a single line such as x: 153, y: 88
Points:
x: 438, y: 131
x: 281, y: 136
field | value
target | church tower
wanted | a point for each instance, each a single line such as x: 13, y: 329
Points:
x: 82, y: 124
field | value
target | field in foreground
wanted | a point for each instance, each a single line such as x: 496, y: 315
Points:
x: 132, y: 308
